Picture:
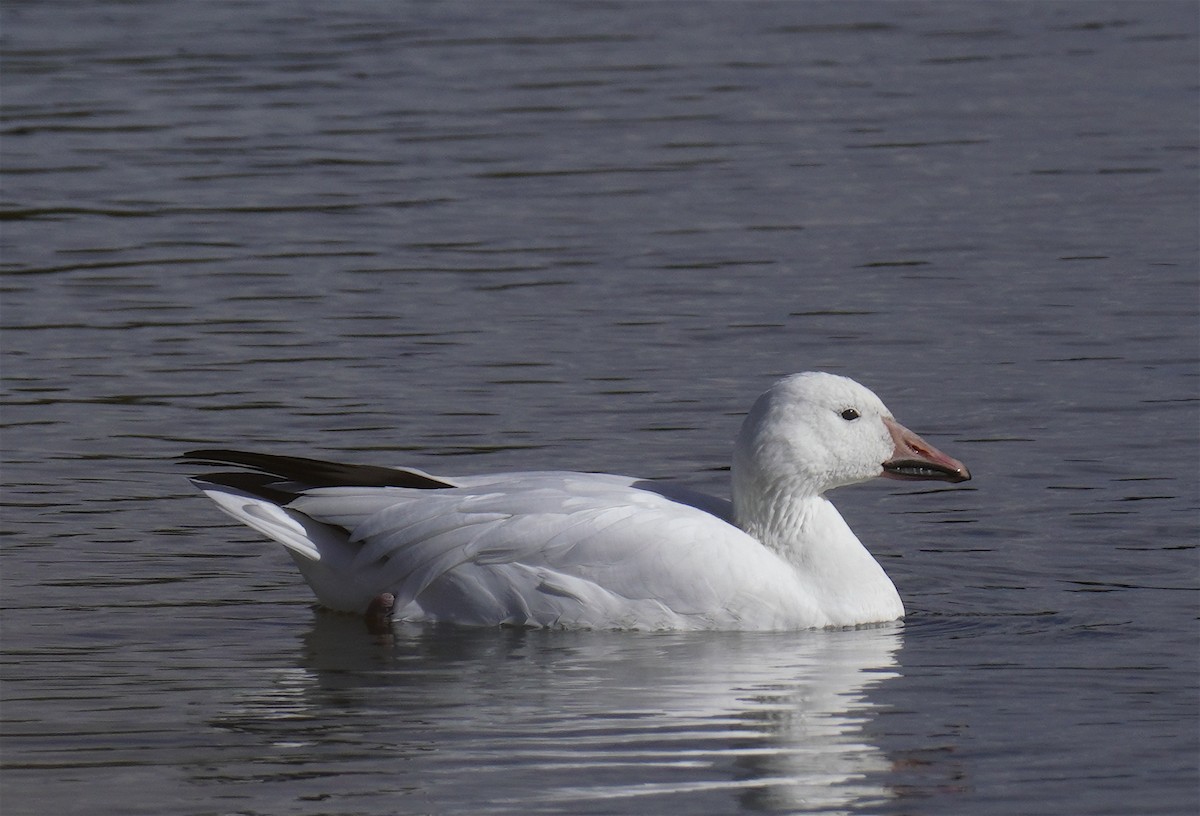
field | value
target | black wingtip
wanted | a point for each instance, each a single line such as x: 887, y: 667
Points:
x: 314, y: 472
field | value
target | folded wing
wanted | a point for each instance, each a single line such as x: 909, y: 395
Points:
x: 530, y: 548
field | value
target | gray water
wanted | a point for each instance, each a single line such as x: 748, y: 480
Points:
x: 477, y: 237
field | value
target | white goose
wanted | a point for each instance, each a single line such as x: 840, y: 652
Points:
x: 600, y: 551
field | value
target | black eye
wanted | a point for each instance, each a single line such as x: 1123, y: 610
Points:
x: 850, y: 415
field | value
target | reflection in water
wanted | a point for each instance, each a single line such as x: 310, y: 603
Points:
x: 534, y: 721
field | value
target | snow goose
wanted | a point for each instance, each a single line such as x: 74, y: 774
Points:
x: 586, y: 550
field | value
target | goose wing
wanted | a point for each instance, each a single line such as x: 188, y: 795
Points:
x: 552, y: 546
x: 540, y: 548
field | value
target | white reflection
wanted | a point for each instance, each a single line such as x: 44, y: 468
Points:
x: 509, y: 721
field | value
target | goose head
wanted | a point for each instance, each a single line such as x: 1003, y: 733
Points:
x: 814, y: 431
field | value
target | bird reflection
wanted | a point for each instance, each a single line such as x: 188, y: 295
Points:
x: 587, y: 721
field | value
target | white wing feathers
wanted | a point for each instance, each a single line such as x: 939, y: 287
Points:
x: 273, y: 521
x: 537, y: 548
x: 531, y: 547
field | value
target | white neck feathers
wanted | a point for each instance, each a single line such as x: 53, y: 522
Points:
x: 786, y: 513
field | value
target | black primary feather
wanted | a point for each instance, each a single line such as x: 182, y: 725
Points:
x: 310, y: 472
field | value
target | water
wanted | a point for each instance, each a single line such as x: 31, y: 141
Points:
x: 478, y: 237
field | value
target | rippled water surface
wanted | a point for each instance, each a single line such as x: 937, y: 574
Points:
x: 474, y: 237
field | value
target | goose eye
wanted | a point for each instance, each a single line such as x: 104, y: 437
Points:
x: 850, y: 415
